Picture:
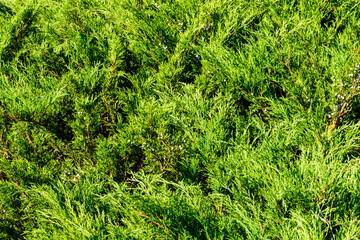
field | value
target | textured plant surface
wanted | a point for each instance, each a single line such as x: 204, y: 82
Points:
x: 179, y: 119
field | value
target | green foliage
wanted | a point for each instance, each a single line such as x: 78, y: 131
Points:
x: 179, y: 119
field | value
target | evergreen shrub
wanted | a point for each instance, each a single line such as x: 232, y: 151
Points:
x: 179, y: 119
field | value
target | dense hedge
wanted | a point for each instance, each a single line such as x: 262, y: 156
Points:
x: 181, y: 119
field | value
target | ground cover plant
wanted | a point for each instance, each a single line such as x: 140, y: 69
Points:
x: 179, y: 119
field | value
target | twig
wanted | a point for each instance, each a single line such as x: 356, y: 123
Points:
x: 6, y: 75
x: 142, y: 214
